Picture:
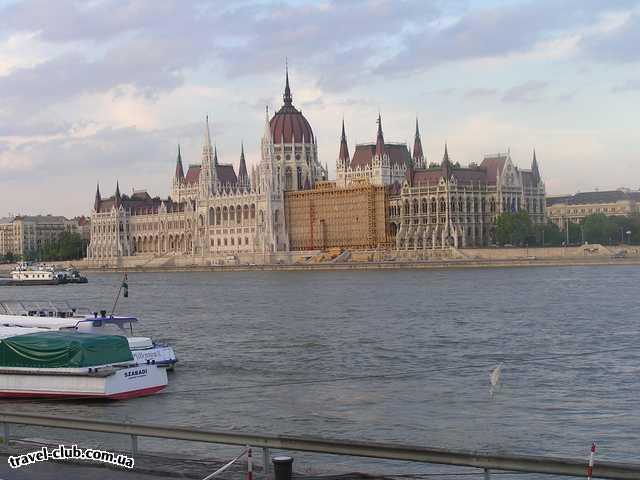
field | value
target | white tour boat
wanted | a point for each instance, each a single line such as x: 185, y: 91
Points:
x: 63, y: 317
x: 26, y: 274
x: 73, y: 365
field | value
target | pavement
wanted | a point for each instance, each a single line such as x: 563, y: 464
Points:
x: 57, y: 471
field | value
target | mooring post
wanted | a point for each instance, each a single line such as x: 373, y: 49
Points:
x: 134, y: 444
x: 487, y: 475
x: 266, y: 461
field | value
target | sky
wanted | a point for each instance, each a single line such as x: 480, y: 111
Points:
x: 105, y: 90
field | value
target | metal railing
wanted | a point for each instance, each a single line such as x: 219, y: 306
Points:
x: 411, y: 453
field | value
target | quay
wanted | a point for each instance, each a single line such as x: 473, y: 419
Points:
x: 485, y: 462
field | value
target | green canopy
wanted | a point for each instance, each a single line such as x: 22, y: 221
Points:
x: 63, y: 350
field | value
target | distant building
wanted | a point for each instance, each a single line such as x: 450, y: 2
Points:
x: 22, y: 234
x: 574, y: 208
x: 330, y: 216
x: 442, y: 205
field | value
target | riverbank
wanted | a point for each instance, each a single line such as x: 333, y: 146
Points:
x: 586, y: 255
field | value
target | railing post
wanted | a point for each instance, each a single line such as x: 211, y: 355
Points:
x: 5, y: 434
x: 487, y: 474
x: 266, y: 462
x: 134, y: 444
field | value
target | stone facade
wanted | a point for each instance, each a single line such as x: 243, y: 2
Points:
x: 443, y: 205
x: 22, y: 234
x: 329, y: 216
x: 212, y: 211
x: 574, y: 208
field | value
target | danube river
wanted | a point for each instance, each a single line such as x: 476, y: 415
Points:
x: 400, y: 356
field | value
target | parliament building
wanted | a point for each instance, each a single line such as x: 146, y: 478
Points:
x: 385, y: 196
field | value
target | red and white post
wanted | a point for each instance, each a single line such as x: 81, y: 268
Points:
x: 249, y: 464
x: 590, y: 468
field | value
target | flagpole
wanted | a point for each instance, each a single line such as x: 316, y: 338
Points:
x: 126, y: 293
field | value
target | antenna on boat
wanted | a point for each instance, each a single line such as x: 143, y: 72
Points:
x: 124, y: 289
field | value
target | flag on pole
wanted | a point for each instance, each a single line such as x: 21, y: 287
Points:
x: 125, y: 287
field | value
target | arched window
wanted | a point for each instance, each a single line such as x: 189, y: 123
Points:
x: 212, y: 216
x: 245, y: 212
x: 225, y: 215
x: 253, y: 211
x: 406, y: 208
x: 299, y: 175
x: 232, y: 214
x: 460, y: 204
x: 218, y: 216
x: 425, y: 206
x: 443, y: 205
x: 468, y: 204
x: 434, y: 206
x: 415, y: 207
x: 288, y: 180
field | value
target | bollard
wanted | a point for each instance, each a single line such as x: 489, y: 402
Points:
x: 282, y: 467
x: 265, y: 462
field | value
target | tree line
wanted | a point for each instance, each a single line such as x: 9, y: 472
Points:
x: 68, y: 246
x: 517, y: 229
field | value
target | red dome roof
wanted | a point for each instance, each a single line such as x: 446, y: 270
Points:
x: 288, y: 125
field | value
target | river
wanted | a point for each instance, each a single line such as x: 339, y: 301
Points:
x: 400, y: 356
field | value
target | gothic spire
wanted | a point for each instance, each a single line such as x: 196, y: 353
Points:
x: 446, y: 163
x: 207, y: 133
x: 343, y: 156
x: 534, y: 168
x: 243, y: 176
x: 287, y: 90
x: 179, y: 169
x: 96, y: 204
x: 215, y: 155
x: 418, y: 155
x: 380, y: 139
x: 118, y: 197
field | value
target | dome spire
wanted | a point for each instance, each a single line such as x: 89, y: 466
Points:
x: 287, y: 90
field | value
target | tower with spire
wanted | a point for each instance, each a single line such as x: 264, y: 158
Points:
x: 344, y: 160
x: 98, y: 199
x: 419, y: 160
x: 243, y: 176
x: 208, y: 173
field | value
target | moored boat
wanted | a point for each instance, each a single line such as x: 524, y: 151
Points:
x: 27, y: 274
x: 63, y: 317
x: 66, y: 365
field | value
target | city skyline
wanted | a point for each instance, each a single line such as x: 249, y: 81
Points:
x: 105, y: 97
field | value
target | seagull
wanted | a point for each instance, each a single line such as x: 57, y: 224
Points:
x: 494, y: 377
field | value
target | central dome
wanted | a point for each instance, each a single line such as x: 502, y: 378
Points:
x: 288, y: 125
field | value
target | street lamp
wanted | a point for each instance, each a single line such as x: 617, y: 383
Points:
x: 629, y: 235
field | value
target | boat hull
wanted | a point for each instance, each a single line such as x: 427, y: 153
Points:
x: 16, y: 283
x: 121, y: 384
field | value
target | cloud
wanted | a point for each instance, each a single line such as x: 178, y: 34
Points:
x: 498, y: 32
x: 629, y: 86
x: 528, y: 92
x: 481, y: 93
x: 615, y: 45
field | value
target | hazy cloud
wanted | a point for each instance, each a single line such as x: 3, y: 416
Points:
x: 526, y: 92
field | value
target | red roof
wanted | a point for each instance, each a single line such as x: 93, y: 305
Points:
x: 288, y: 125
x: 193, y: 174
x: 363, y: 156
x: 226, y: 174
x: 493, y: 165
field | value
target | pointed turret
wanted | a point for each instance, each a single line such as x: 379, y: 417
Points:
x: 96, y: 203
x: 215, y: 155
x: 446, y: 163
x: 117, y: 196
x: 534, y: 168
x: 418, y: 155
x: 243, y: 176
x: 179, y: 170
x: 380, y: 139
x: 287, y: 90
x: 343, y: 156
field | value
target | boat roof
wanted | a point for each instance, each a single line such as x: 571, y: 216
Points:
x: 13, y: 331
x: 63, y: 350
x: 55, y: 323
